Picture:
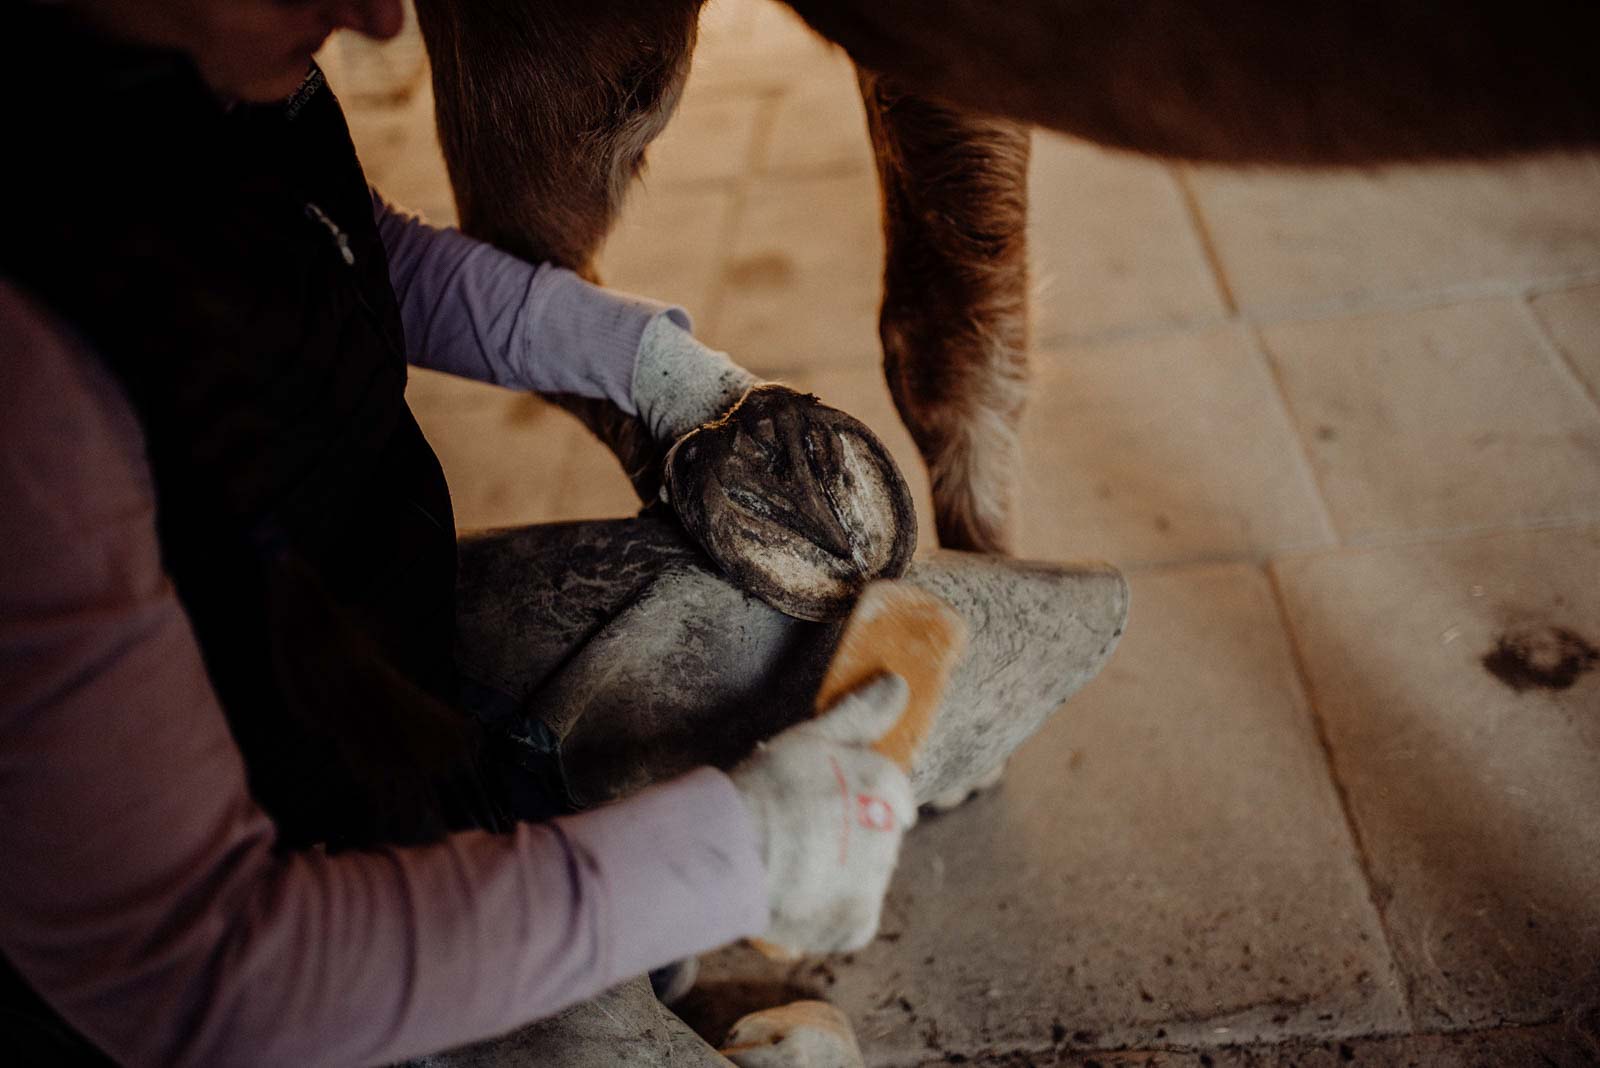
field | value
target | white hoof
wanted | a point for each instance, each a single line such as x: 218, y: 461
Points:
x: 801, y: 1034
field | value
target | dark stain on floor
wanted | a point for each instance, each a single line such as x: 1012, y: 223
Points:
x: 1540, y: 657
x: 767, y: 270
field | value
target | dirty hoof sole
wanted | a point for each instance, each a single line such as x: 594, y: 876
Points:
x: 798, y: 503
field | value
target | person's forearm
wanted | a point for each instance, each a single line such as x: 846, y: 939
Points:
x: 376, y: 957
x: 472, y: 310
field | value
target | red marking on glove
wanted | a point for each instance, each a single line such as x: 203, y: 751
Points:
x: 874, y: 813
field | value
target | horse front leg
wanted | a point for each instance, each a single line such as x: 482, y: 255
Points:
x: 954, y: 322
x: 545, y: 109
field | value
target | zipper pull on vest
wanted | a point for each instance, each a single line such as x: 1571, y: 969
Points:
x: 340, y: 239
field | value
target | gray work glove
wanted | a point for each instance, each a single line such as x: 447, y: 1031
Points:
x: 830, y: 813
x: 679, y: 383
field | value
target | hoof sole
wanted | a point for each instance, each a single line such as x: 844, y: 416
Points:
x: 797, y: 503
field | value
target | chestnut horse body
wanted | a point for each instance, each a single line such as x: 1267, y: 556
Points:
x: 546, y: 107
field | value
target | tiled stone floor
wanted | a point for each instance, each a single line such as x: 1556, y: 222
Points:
x: 1338, y: 796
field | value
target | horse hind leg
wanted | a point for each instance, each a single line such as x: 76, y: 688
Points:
x: 954, y: 320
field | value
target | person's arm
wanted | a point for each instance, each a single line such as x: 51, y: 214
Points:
x: 140, y: 893
x: 471, y: 310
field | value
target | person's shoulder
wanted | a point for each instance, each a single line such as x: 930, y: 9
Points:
x: 49, y: 371
x: 65, y: 425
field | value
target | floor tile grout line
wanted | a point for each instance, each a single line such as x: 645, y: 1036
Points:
x: 649, y: 183
x: 1565, y: 284
x: 1153, y: 331
x: 1556, y: 354
x: 1363, y: 855
x: 1436, y: 535
x: 1291, y: 1040
x: 1202, y: 233
x: 1379, y: 302
x: 1263, y: 354
x: 812, y: 172
x: 1410, y: 540
x: 1334, y: 308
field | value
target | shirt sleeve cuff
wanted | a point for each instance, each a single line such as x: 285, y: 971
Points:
x: 681, y: 867
x: 584, y: 339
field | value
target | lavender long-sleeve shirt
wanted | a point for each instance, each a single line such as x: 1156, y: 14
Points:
x: 139, y: 890
x: 474, y: 311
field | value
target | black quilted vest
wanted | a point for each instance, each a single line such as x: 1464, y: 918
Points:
x: 224, y: 262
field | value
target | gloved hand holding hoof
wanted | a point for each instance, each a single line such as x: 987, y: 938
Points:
x: 830, y: 813
x: 680, y: 383
x: 797, y: 502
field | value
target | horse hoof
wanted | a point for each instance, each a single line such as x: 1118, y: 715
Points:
x: 798, y: 503
x: 801, y: 1034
